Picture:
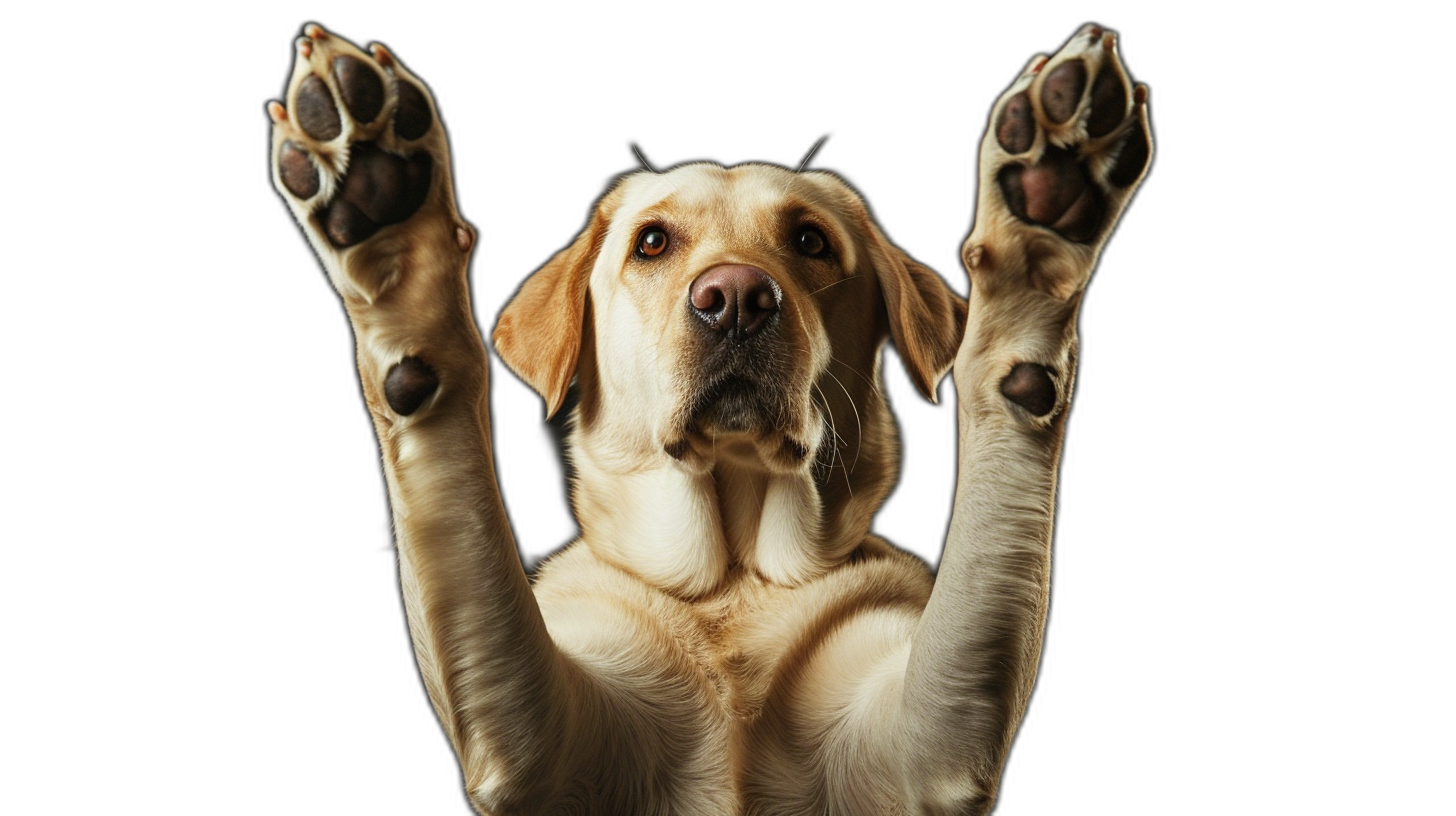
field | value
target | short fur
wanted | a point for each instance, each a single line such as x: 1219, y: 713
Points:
x: 726, y: 637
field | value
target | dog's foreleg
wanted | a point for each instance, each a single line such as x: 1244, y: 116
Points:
x: 360, y: 158
x: 1067, y: 146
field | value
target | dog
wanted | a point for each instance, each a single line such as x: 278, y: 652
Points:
x: 726, y: 636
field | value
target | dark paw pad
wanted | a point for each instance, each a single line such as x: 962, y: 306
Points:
x: 316, y: 112
x: 361, y: 88
x: 1016, y: 129
x: 380, y: 189
x: 1030, y: 386
x: 297, y: 171
x: 408, y: 384
x: 1109, y: 103
x: 1062, y: 91
x: 412, y: 118
x: 1056, y: 192
x: 1132, y: 159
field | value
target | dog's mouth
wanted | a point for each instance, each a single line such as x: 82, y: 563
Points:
x: 739, y: 414
x: 734, y: 404
x: 747, y: 402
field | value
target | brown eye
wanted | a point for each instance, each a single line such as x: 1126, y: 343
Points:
x: 810, y: 243
x: 651, y: 242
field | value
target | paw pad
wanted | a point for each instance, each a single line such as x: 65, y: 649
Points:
x: 408, y: 384
x: 412, y: 119
x: 361, y: 88
x: 297, y: 171
x: 381, y: 174
x: 315, y: 111
x: 1030, y: 386
x: 380, y: 189
x: 1068, y: 139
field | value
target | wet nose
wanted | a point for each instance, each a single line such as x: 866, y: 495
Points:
x: 735, y: 299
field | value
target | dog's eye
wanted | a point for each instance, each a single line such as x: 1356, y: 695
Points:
x: 651, y: 242
x: 811, y: 243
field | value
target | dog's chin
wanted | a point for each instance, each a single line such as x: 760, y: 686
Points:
x: 739, y: 419
x: 734, y: 406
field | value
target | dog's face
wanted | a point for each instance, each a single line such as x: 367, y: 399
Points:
x: 732, y: 318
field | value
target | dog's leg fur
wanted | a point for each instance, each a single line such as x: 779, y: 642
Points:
x: 369, y: 182
x: 1066, y: 147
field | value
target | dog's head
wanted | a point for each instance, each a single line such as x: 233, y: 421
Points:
x: 728, y: 322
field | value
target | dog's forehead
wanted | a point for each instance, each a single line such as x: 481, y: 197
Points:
x: 713, y: 190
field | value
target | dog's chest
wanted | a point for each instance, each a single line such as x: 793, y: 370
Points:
x: 744, y: 634
x: 749, y: 639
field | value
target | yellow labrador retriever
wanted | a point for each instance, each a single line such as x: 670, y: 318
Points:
x: 726, y: 637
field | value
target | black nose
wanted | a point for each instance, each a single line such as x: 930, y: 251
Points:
x: 735, y: 299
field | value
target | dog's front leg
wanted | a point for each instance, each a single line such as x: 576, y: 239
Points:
x: 361, y: 159
x: 1067, y: 145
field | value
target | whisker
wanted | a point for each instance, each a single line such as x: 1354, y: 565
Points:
x: 836, y: 283
x: 833, y: 448
x: 858, y: 426
x: 646, y: 165
x: 841, y: 440
x: 817, y: 144
x: 856, y: 372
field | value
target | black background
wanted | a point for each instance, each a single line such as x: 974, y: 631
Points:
x: 313, y: 665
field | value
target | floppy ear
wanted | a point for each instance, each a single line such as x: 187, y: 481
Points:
x: 927, y: 319
x: 539, y: 332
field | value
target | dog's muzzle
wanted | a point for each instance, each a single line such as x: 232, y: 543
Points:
x: 739, y: 384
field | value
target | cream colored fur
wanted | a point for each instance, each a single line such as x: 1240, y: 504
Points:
x: 726, y: 637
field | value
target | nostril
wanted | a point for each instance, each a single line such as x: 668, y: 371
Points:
x: 735, y: 299
x: 708, y: 298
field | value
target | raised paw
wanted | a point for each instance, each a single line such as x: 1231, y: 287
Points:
x: 357, y: 151
x: 1067, y: 145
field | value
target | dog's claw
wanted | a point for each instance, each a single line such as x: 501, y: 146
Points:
x: 316, y: 31
x: 305, y: 46
x: 381, y: 54
x: 277, y: 112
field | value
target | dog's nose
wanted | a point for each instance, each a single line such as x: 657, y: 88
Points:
x: 735, y: 299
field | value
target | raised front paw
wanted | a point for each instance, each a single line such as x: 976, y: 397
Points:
x: 1067, y: 146
x: 362, y: 161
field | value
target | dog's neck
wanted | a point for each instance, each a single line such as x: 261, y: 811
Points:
x: 684, y: 530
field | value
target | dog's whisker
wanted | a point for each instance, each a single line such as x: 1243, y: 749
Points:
x: 833, y: 431
x: 646, y: 165
x: 839, y: 441
x: 810, y: 155
x: 856, y: 371
x: 836, y: 283
x: 859, y: 427
x: 824, y: 407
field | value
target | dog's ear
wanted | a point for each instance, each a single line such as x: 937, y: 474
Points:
x: 927, y: 319
x: 538, y: 334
